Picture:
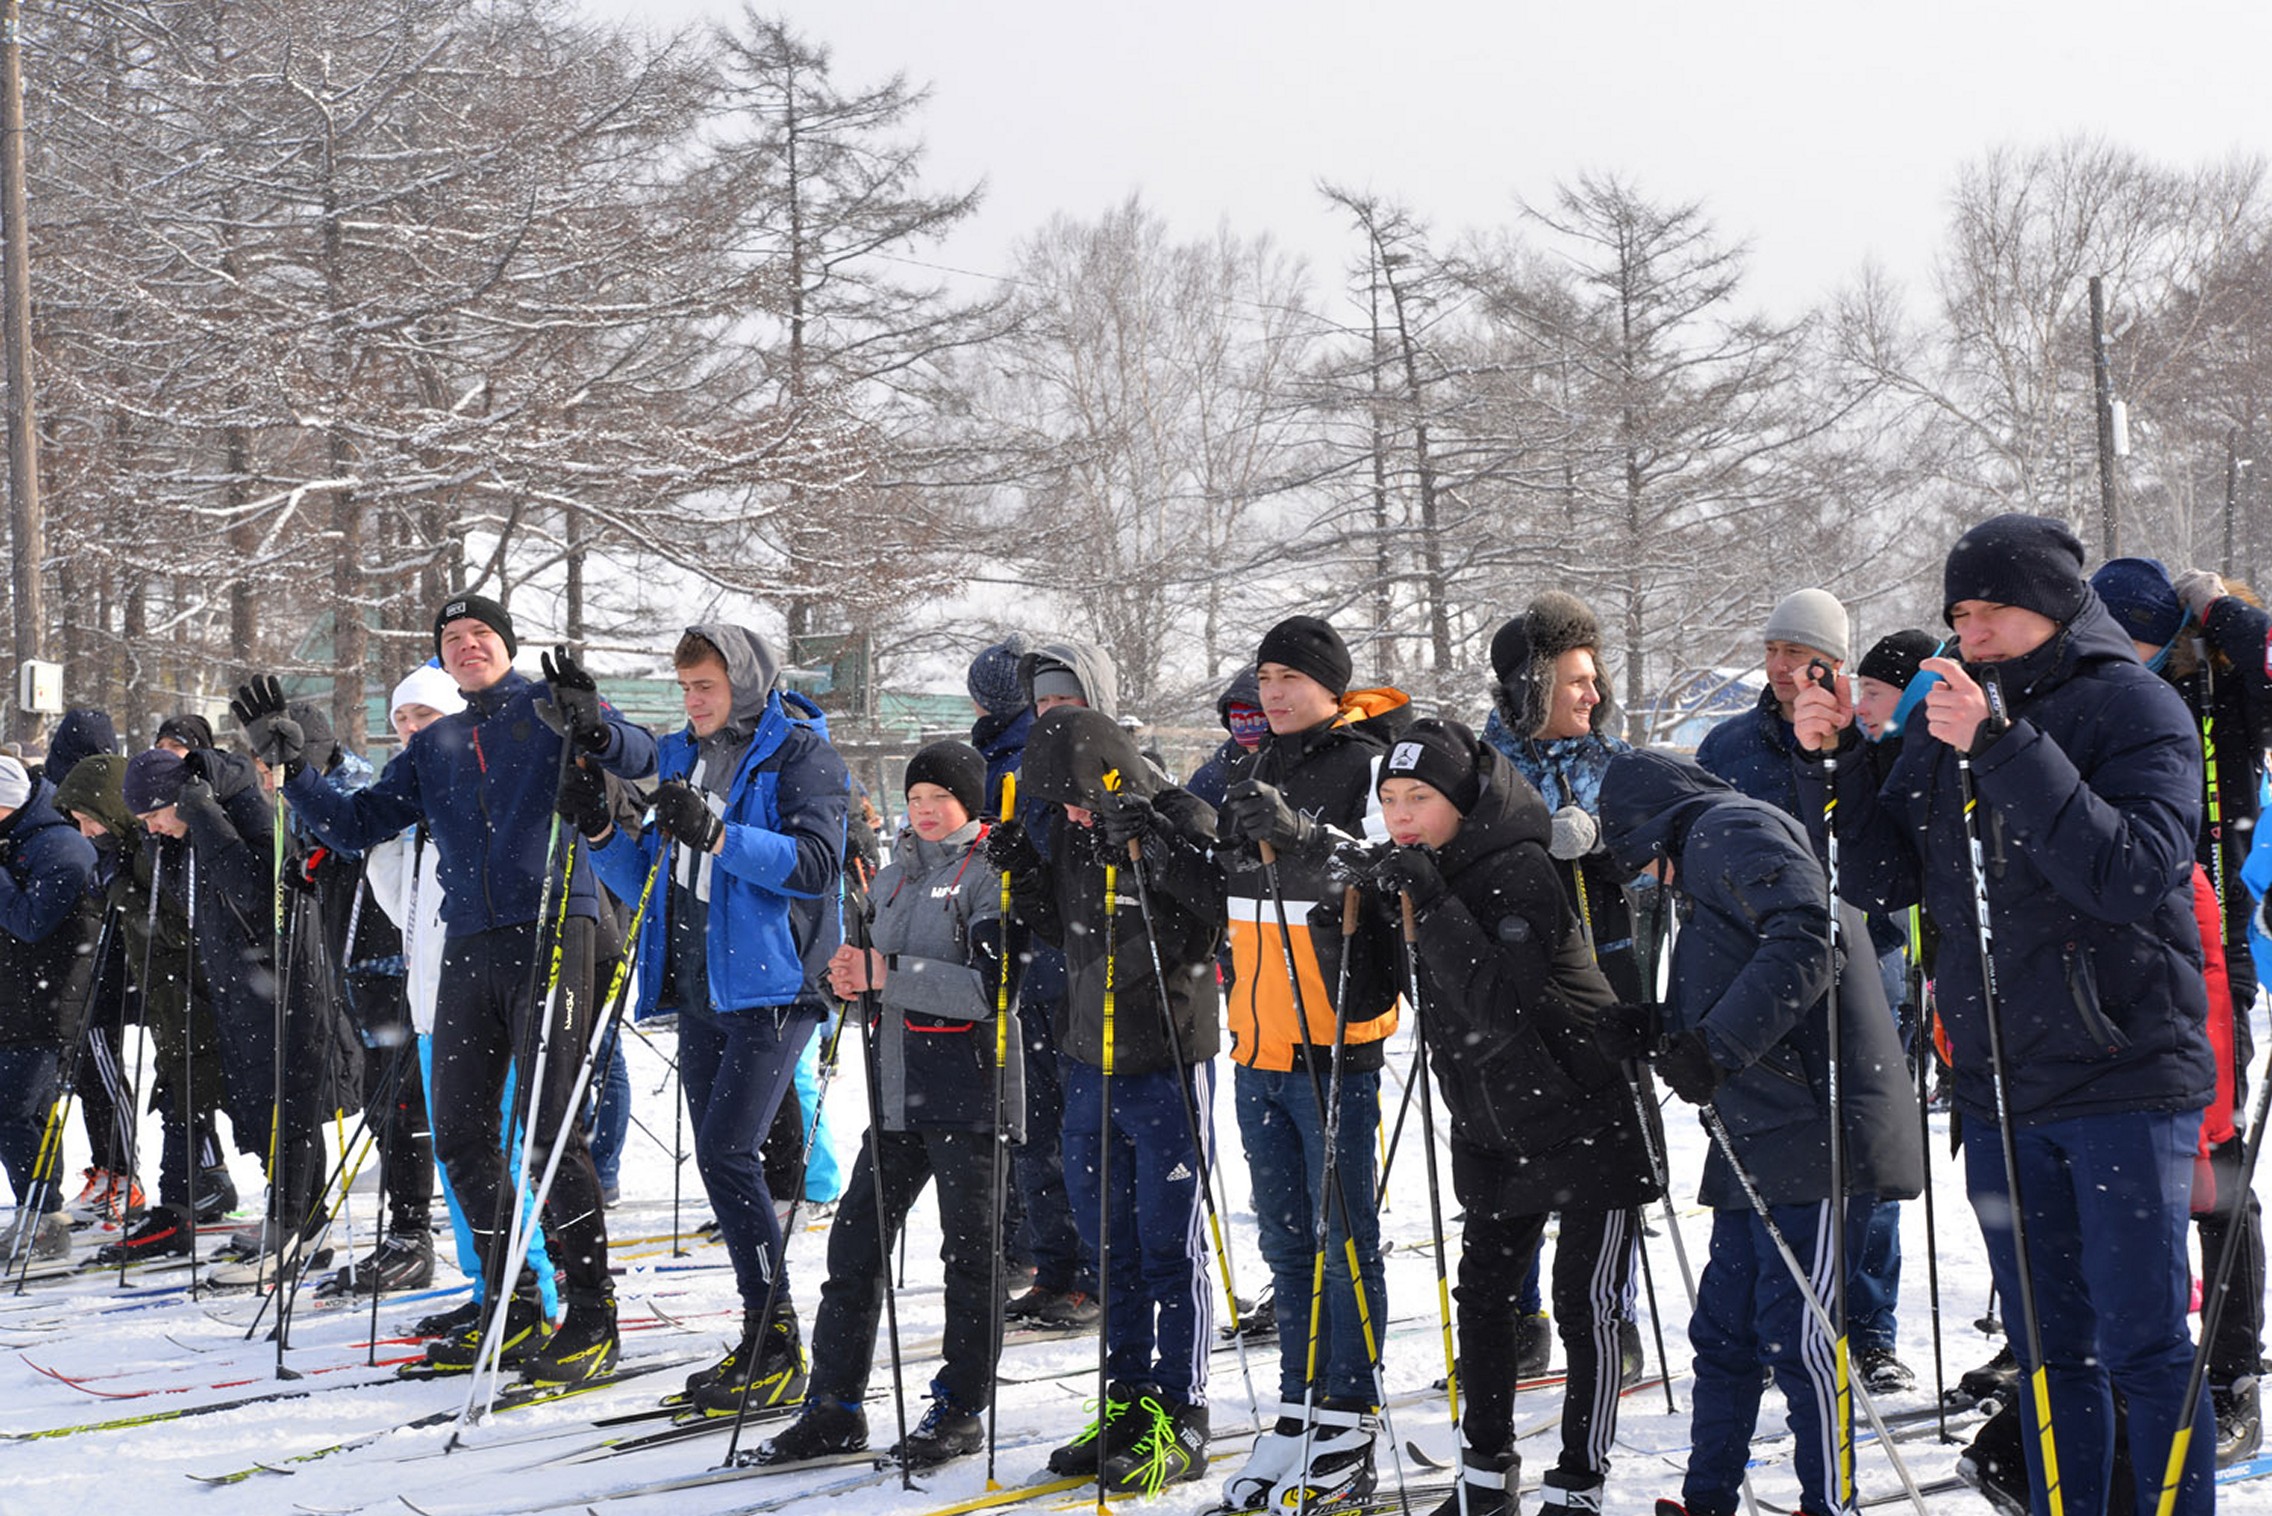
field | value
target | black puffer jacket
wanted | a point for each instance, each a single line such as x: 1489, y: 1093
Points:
x: 46, y: 922
x: 1750, y: 967
x: 1064, y: 901
x: 1508, y: 998
x: 2090, y: 809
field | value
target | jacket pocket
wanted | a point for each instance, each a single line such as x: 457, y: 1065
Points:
x: 2082, y: 993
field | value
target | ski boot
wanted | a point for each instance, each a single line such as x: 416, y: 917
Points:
x: 1171, y: 1448
x: 769, y: 1361
x: 583, y: 1347
x: 1487, y: 1485
x: 1114, y: 1431
x: 946, y: 1431
x: 822, y: 1428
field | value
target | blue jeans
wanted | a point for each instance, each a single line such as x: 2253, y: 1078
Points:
x: 27, y: 1094
x: 611, y: 1113
x: 1282, y: 1128
x: 2106, y: 1199
x: 736, y: 1067
x: 1873, y: 1286
x: 1749, y: 1314
x: 1161, y: 1307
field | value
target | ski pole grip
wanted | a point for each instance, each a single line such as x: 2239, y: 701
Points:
x: 1009, y: 797
x: 1348, y: 913
x: 1411, y: 920
x: 1269, y: 853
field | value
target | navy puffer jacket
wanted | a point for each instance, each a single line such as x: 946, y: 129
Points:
x: 2089, y: 809
x: 1751, y: 969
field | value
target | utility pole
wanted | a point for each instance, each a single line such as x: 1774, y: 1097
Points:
x: 2102, y: 377
x: 27, y: 527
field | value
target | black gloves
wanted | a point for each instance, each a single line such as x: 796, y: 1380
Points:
x: 575, y: 704
x: 1626, y: 1031
x: 583, y: 801
x: 275, y: 738
x: 685, y: 816
x: 1350, y: 865
x: 1130, y: 818
x: 196, y: 795
x: 1010, y: 850
x: 1687, y: 1065
x: 1258, y: 813
x: 1409, y: 871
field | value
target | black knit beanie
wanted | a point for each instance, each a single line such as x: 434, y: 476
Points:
x: 482, y: 609
x: 2032, y: 562
x: 1440, y: 753
x: 954, y: 767
x: 1893, y: 658
x: 1307, y: 645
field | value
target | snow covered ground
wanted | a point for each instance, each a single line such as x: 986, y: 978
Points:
x: 151, y: 1336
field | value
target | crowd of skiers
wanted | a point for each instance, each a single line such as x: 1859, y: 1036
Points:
x: 2017, y: 855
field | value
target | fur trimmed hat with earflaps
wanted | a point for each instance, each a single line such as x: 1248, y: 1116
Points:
x: 1522, y: 657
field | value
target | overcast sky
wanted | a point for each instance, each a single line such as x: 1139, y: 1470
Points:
x: 1823, y: 133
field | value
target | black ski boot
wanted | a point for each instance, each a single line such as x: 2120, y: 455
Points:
x: 401, y: 1261
x: 1170, y: 1448
x: 584, y: 1347
x: 771, y: 1362
x: 1534, y: 1346
x: 214, y: 1195
x: 162, y: 1232
x: 1114, y: 1431
x: 946, y: 1431
x: 823, y: 1428
x: 1487, y: 1485
x: 458, y: 1352
x: 450, y: 1322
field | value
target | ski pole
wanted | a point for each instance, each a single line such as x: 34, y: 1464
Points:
x: 2006, y: 1127
x: 1840, y: 1352
x: 1411, y: 938
x: 1006, y: 813
x: 1923, y: 1058
x: 516, y: 1255
x: 780, y: 1261
x: 2215, y: 794
x: 1199, y: 1145
x: 1331, y: 1189
x: 1808, y: 1294
x: 2213, y: 1302
x: 1104, y: 1165
x: 47, y: 1167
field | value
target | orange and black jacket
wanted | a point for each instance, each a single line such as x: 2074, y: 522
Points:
x: 1327, y: 773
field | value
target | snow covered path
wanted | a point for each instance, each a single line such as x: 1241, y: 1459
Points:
x: 151, y: 1336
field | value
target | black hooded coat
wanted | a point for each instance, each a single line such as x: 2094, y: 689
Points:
x: 1509, y: 994
x: 1750, y: 968
x: 1069, y: 755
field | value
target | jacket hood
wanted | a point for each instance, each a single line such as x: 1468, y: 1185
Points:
x: 37, y: 813
x: 751, y: 669
x: 96, y: 787
x: 229, y: 773
x: 79, y: 735
x: 1070, y: 752
x: 1647, y: 800
x: 1085, y: 661
x: 1244, y: 689
x: 1508, y: 809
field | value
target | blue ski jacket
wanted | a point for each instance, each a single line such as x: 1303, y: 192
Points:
x: 773, y: 920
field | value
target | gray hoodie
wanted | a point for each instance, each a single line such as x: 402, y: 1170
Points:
x: 1086, y: 662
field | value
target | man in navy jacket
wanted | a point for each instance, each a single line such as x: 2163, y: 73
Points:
x: 485, y: 782
x: 2088, y: 781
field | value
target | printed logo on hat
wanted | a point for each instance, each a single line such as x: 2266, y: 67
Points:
x: 1406, y: 756
x: 453, y: 610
